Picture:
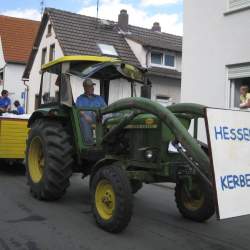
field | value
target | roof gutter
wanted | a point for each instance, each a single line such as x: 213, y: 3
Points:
x: 16, y: 62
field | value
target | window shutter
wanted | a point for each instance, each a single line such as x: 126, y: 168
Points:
x: 237, y: 4
x: 240, y: 71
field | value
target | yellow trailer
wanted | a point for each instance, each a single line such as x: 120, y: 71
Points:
x: 13, y: 134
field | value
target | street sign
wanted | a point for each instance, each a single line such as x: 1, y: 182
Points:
x: 229, y: 139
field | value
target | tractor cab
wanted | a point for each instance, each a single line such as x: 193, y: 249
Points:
x: 62, y: 83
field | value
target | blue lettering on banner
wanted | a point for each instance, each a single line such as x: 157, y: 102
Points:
x: 233, y: 134
x: 240, y: 134
x: 234, y: 181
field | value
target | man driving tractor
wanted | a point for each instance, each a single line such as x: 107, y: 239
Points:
x: 89, y: 100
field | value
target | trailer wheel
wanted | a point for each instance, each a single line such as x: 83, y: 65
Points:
x: 49, y: 159
x: 111, y: 198
x: 196, y: 204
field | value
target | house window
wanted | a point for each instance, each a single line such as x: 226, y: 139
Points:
x: 107, y: 49
x: 169, y: 60
x: 163, y: 59
x: 238, y: 75
x: 156, y: 58
x: 44, y: 54
x: 238, y: 4
x: 1, y: 77
x: 49, y: 30
x: 235, y: 90
x: 52, y: 52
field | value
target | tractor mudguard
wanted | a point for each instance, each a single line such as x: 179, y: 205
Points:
x: 46, y: 112
x: 101, y: 163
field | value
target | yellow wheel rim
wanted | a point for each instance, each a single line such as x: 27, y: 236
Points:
x: 193, y: 203
x: 36, y: 160
x: 105, y: 199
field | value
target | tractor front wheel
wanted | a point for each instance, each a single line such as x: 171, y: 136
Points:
x: 49, y: 159
x: 111, y: 198
x: 195, y: 203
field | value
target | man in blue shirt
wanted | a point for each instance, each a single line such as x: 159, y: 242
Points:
x: 19, y: 108
x: 88, y: 100
x: 5, y: 102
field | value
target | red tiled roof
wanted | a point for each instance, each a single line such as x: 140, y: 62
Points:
x: 17, y: 36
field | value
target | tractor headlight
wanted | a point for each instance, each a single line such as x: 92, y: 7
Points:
x: 149, y: 154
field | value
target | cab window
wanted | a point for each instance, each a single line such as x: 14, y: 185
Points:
x: 50, y: 86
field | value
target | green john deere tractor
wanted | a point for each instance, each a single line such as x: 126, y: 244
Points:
x: 132, y: 139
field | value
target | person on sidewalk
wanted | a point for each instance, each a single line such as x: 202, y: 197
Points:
x: 19, y: 108
x: 5, y: 102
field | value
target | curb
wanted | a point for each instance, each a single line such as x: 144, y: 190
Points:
x: 165, y: 185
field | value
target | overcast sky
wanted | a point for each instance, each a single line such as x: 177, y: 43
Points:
x: 141, y: 12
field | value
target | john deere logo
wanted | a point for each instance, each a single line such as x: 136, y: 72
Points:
x: 149, y: 121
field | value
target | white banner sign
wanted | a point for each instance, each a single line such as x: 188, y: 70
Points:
x: 229, y: 133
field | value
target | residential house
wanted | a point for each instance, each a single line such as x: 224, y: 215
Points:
x: 16, y: 40
x: 64, y: 33
x: 216, y: 51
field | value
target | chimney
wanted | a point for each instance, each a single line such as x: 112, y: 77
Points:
x: 156, y: 27
x: 123, y: 20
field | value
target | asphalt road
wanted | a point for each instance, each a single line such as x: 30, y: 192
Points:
x: 26, y: 223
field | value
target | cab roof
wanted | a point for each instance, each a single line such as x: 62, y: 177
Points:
x: 98, y: 59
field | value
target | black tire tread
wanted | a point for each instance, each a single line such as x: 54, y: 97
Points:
x: 124, y: 199
x: 59, y: 159
x: 202, y: 214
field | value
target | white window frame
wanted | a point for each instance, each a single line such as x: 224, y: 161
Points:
x: 243, y: 4
x: 104, y: 46
x: 234, y: 72
x: 163, y: 61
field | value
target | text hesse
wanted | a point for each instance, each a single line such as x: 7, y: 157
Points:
x: 226, y: 133
x: 235, y: 181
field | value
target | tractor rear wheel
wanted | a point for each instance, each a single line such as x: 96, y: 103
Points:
x: 49, y: 159
x: 111, y: 198
x: 196, y: 204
